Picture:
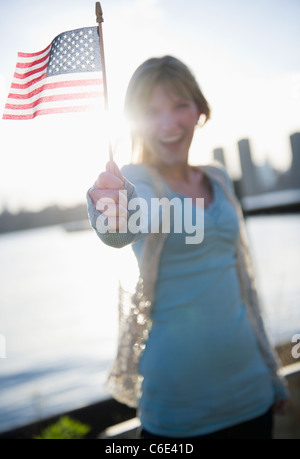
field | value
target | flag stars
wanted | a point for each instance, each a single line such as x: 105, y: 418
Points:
x: 75, y: 51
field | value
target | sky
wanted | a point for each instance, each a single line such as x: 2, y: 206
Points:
x: 245, y: 56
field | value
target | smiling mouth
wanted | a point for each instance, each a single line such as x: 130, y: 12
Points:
x: 171, y: 139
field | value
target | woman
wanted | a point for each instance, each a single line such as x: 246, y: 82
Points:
x: 197, y: 346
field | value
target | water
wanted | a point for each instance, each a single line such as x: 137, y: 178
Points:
x: 275, y: 248
x: 58, y: 316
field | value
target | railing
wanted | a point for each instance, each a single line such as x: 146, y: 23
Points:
x: 277, y: 201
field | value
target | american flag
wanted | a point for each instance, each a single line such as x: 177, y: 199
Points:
x: 64, y: 77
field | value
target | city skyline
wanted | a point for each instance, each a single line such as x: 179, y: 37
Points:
x: 259, y: 179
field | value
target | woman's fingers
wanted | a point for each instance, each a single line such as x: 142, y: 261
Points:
x: 109, y: 208
x: 117, y: 214
x: 108, y: 180
x: 112, y: 167
x: 112, y: 194
x: 111, y: 178
x: 112, y: 204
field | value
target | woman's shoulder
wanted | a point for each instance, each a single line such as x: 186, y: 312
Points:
x: 217, y: 170
x: 214, y: 167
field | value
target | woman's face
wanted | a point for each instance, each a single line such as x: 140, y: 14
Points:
x: 167, y: 126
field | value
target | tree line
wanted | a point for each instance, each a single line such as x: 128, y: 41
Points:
x: 51, y: 215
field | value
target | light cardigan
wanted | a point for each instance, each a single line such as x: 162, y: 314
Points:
x: 124, y: 382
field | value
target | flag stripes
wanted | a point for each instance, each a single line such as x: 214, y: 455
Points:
x: 64, y: 77
x: 61, y: 84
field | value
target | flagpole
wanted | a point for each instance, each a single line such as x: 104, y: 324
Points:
x: 100, y: 19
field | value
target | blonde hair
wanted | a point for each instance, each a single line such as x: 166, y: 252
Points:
x: 172, y: 73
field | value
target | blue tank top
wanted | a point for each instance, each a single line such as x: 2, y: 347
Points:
x: 202, y: 368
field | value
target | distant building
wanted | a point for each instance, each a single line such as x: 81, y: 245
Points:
x: 250, y: 183
x: 218, y: 154
x: 295, y: 166
x: 267, y: 177
x: 257, y: 180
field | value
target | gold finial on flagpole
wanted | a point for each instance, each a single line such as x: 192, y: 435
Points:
x: 99, y: 15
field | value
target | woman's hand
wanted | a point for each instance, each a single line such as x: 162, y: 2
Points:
x: 110, y: 198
